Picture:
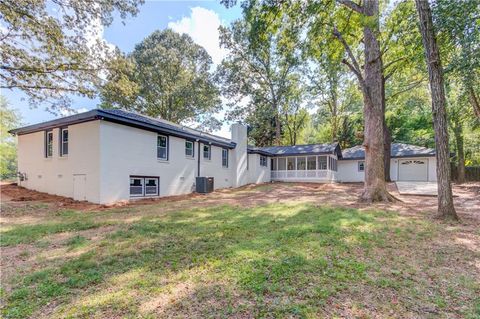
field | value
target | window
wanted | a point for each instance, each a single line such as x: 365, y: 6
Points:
x: 282, y: 164
x: 361, y: 166
x: 291, y: 163
x: 162, y: 147
x: 263, y: 160
x: 63, y: 141
x: 141, y: 186
x: 189, y: 149
x: 322, y: 162
x: 49, y: 143
x: 300, y: 163
x: 311, y: 163
x: 224, y: 157
x: 207, y: 151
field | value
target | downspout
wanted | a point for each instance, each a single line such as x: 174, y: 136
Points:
x: 198, y: 160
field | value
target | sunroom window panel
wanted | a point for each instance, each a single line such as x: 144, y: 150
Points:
x: 301, y: 163
x: 291, y: 163
x: 311, y: 163
x: 322, y: 162
x: 274, y: 164
x: 282, y: 164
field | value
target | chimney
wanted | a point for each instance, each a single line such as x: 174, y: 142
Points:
x: 239, y: 158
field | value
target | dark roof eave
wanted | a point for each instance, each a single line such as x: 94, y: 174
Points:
x: 99, y: 115
x: 402, y: 156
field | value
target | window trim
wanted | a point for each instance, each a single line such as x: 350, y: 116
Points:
x: 225, y: 152
x: 209, y: 151
x: 358, y: 166
x: 47, y: 132
x: 167, y: 148
x: 193, y: 149
x: 60, y: 148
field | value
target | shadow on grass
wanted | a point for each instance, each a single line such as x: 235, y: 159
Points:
x: 282, y: 260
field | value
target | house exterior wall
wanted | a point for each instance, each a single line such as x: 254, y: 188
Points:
x: 55, y: 175
x: 256, y: 173
x: 128, y: 151
x: 348, y: 169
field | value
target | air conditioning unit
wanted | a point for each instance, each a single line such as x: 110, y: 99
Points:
x: 204, y: 185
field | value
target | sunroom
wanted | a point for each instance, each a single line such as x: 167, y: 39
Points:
x: 311, y: 168
x: 302, y: 163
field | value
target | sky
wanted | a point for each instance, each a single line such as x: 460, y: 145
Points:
x: 200, y: 19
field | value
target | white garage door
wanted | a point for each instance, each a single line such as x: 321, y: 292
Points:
x: 413, y: 170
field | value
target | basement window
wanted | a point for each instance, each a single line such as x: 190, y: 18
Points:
x: 144, y: 186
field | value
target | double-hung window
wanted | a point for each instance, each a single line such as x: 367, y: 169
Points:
x: 49, y: 143
x: 189, y: 149
x: 224, y: 157
x: 63, y: 141
x: 162, y: 147
x: 263, y: 160
x: 207, y: 152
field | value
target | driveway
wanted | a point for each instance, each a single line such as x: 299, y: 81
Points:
x: 417, y: 188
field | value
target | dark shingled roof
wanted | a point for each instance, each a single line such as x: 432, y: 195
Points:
x: 310, y: 149
x: 398, y: 150
x: 129, y: 119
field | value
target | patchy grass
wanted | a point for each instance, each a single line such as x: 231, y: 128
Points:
x: 276, y: 260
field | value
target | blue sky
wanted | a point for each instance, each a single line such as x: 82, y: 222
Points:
x: 199, y: 19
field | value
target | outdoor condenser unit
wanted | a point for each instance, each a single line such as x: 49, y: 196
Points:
x: 204, y: 185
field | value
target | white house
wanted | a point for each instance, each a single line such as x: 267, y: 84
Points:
x: 104, y: 156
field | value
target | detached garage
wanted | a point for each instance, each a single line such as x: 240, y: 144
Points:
x: 408, y: 163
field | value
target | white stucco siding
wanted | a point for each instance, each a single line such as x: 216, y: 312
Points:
x: 256, y: 173
x: 55, y: 175
x: 348, y: 169
x: 128, y: 151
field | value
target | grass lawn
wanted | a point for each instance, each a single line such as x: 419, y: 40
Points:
x: 270, y: 260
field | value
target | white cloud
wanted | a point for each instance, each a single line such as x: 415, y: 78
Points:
x: 202, y: 25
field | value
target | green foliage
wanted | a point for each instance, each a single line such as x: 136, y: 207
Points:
x: 166, y: 76
x: 52, y: 48
x: 9, y: 119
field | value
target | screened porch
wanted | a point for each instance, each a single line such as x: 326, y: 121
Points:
x: 321, y: 168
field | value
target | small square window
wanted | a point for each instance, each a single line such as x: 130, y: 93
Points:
x: 361, y: 166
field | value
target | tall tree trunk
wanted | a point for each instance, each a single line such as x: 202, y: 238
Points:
x: 458, y: 132
x: 474, y: 101
x: 435, y: 72
x: 278, y: 133
x: 387, y: 138
x: 375, y: 187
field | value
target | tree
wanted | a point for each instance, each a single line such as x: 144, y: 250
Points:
x: 9, y: 119
x: 52, y: 48
x: 167, y: 76
x: 446, y: 208
x: 262, y: 68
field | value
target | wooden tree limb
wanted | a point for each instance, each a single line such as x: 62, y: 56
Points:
x: 352, y: 5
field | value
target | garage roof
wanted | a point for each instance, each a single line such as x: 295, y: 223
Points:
x: 397, y: 150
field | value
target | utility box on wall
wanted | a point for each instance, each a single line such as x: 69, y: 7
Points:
x: 204, y: 185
